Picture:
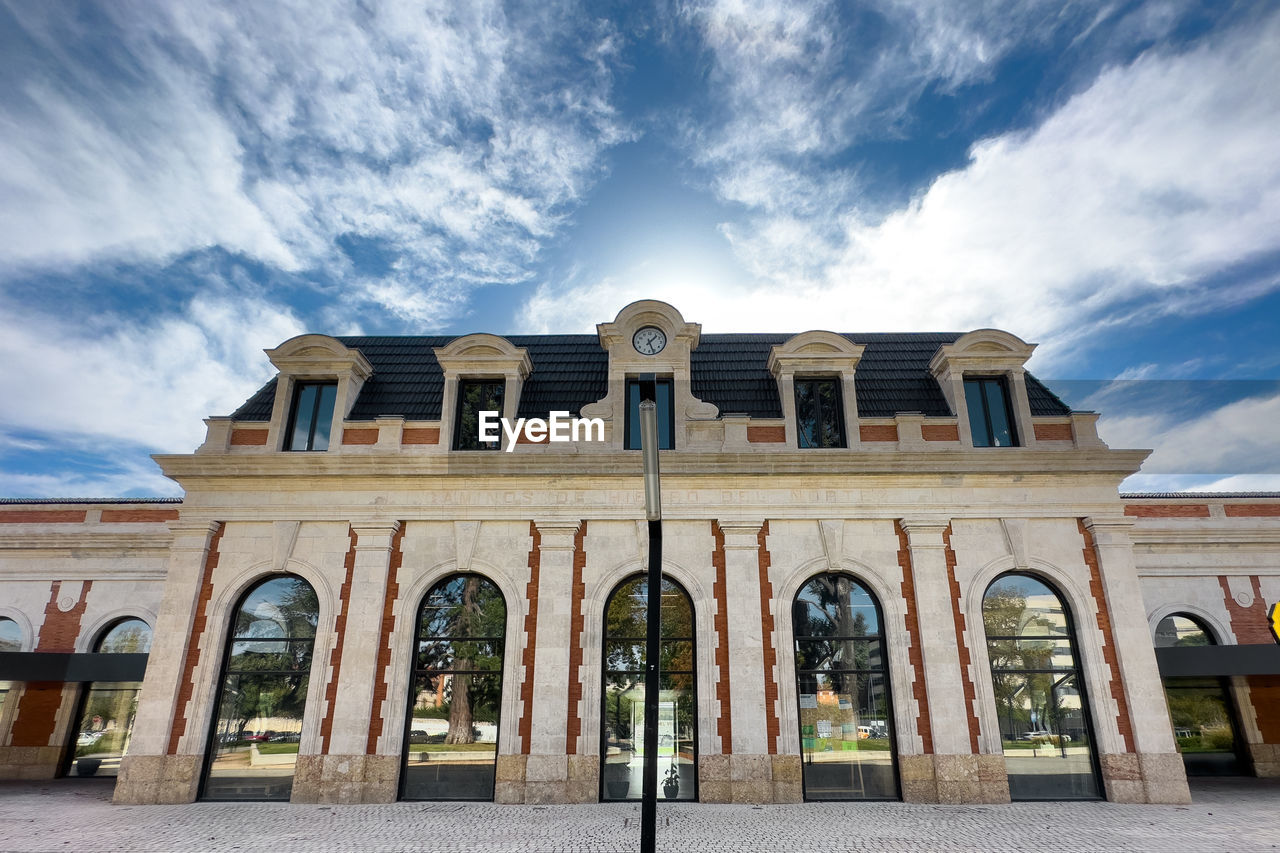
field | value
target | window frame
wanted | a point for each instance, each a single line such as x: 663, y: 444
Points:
x: 839, y: 412
x: 298, y: 388
x: 633, y: 419
x: 461, y: 396
x: 1003, y: 384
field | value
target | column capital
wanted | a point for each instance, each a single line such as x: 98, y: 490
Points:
x: 924, y: 531
x: 557, y: 534
x: 741, y: 535
x: 1110, y: 529
x: 374, y: 534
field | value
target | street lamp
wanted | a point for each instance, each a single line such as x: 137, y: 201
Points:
x: 653, y: 512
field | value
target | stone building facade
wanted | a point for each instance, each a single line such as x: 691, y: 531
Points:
x: 837, y: 604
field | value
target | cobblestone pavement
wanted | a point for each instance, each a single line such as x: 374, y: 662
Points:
x: 1232, y: 816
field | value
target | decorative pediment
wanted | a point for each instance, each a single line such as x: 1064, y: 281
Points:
x: 815, y: 352
x: 319, y: 356
x: 483, y: 354
x: 981, y: 351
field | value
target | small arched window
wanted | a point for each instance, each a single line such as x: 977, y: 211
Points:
x: 1179, y: 629
x: 128, y: 636
x: 108, y: 708
x: 10, y: 641
x: 1041, y: 703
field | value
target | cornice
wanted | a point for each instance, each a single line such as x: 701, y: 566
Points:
x: 564, y: 466
x: 82, y: 540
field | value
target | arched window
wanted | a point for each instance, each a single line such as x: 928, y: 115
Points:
x: 451, y: 748
x: 1201, y: 709
x: 10, y: 641
x: 842, y: 681
x: 107, y: 709
x: 263, y: 692
x: 1041, y: 704
x: 622, y: 714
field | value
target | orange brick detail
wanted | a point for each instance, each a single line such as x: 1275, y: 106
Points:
x: 335, y: 656
x: 767, y: 434
x: 1167, y: 510
x: 720, y: 591
x: 1264, y: 693
x: 914, y: 654
x: 878, y: 432
x: 249, y: 437
x: 359, y: 436
x: 771, y: 723
x: 1053, y: 432
x: 112, y: 516
x: 376, y: 721
x: 1252, y: 510
x: 523, y: 438
x: 42, y: 516
x: 37, y: 711
x: 1123, y: 721
x: 970, y: 692
x: 578, y: 591
x: 531, y: 631
x: 1248, y: 623
x: 940, y: 432
x: 186, y: 687
x: 420, y: 435
x: 60, y: 630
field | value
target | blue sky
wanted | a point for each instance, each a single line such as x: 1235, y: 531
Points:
x: 185, y: 184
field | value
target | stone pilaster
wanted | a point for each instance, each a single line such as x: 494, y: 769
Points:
x: 346, y: 774
x: 956, y: 774
x: 546, y: 770
x: 1159, y: 767
x: 149, y: 774
x: 750, y: 771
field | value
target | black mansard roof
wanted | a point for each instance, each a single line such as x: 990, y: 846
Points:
x: 730, y: 371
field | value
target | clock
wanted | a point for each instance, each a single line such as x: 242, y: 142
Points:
x: 649, y: 341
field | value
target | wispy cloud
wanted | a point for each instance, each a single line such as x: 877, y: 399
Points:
x: 458, y: 136
x: 1132, y: 199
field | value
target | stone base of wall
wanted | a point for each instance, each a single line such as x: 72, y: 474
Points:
x: 30, y: 762
x: 346, y: 779
x: 1145, y: 778
x: 953, y: 779
x: 147, y: 780
x: 1266, y: 759
x: 749, y: 779
x: 546, y: 779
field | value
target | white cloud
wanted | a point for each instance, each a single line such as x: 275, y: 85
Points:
x: 1121, y: 204
x: 1237, y: 439
x: 136, y: 383
x: 457, y: 135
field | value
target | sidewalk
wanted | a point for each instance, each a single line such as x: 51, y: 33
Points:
x: 1232, y: 815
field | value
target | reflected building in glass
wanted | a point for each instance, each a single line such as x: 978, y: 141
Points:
x: 895, y: 567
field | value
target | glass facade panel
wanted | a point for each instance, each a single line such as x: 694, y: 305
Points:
x: 1040, y: 704
x: 662, y: 393
x: 842, y: 683
x: 107, y: 709
x: 819, y: 413
x: 451, y: 735
x: 1203, y: 715
x: 263, y: 696
x: 622, y: 715
x: 312, y: 416
x: 476, y: 396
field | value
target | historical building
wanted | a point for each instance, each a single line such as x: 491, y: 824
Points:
x: 896, y: 566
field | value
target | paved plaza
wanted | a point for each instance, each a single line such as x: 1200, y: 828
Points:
x: 1228, y: 815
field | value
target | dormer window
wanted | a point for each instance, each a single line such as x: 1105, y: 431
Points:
x: 990, y: 416
x: 476, y: 396
x: 666, y: 419
x: 311, y: 417
x: 819, y: 412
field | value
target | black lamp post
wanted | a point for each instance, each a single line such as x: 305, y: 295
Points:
x: 652, y: 685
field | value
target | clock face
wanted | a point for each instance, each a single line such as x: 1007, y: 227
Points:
x: 649, y: 341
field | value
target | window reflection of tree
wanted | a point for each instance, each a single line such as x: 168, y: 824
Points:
x: 460, y: 639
